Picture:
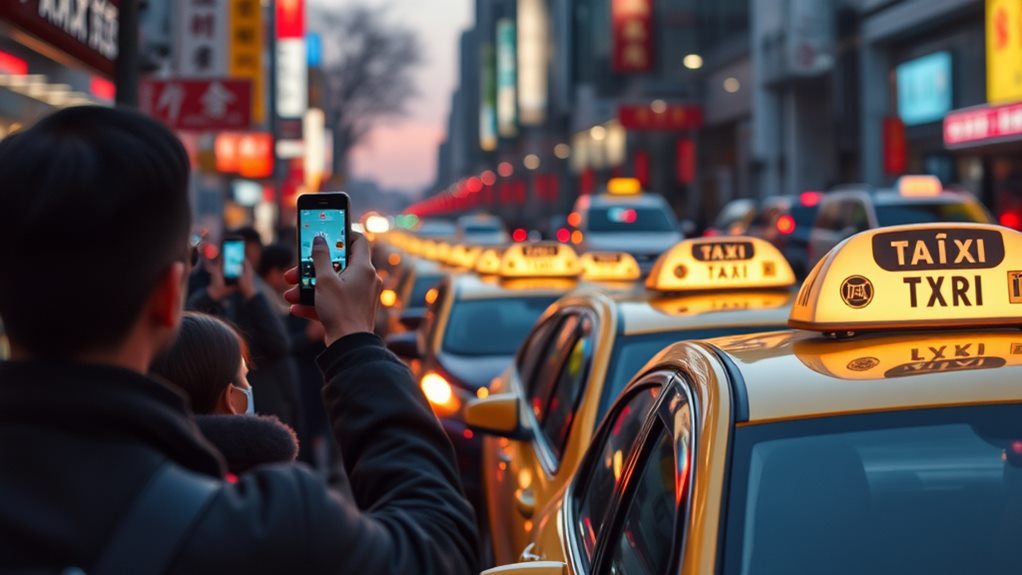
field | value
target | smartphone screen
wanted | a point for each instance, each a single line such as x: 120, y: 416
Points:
x: 331, y: 225
x: 234, y: 259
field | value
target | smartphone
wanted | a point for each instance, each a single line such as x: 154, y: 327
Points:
x: 323, y: 214
x: 232, y: 253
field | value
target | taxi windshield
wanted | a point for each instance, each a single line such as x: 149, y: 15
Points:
x: 925, y: 491
x: 634, y: 351
x: 420, y: 288
x: 492, y: 327
x: 925, y: 212
x: 629, y: 219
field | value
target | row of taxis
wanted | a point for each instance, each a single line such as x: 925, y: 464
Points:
x: 880, y: 433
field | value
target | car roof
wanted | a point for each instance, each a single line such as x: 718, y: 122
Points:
x: 470, y: 286
x: 658, y: 313
x: 795, y: 374
x: 887, y: 197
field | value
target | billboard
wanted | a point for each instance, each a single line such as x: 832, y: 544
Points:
x: 488, y: 100
x: 245, y: 50
x: 924, y: 88
x: 1004, y: 50
x: 507, y: 79
x: 87, y: 31
x: 533, y: 60
x: 292, y: 63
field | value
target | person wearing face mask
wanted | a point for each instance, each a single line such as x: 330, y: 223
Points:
x: 209, y: 362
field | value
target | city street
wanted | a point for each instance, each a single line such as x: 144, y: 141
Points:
x: 510, y: 287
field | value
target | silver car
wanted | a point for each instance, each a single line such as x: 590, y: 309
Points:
x: 641, y: 225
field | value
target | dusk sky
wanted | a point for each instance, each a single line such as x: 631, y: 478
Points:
x: 402, y: 153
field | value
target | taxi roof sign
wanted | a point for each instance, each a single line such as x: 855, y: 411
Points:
x: 488, y: 262
x: 463, y: 256
x: 624, y: 187
x: 919, y: 186
x: 540, y: 260
x: 915, y: 277
x: 729, y: 262
x: 609, y: 266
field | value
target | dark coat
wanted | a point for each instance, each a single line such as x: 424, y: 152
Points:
x: 247, y: 442
x: 79, y: 442
x: 272, y: 375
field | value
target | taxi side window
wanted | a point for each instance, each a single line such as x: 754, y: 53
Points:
x: 596, y: 488
x: 568, y: 386
x: 656, y: 494
x: 547, y: 368
x: 858, y: 220
x: 533, y: 349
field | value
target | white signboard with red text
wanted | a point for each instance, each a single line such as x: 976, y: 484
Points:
x: 983, y: 125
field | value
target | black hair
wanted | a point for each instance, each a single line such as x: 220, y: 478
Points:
x: 249, y: 234
x: 276, y: 256
x: 93, y: 210
x: 203, y: 361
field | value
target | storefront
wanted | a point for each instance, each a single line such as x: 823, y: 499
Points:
x: 53, y: 55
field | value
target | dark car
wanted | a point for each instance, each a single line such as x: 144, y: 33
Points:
x: 786, y: 221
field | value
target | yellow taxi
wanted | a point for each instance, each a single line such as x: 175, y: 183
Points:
x: 473, y: 325
x: 542, y: 412
x: 882, y: 436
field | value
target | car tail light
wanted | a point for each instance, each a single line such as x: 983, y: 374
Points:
x: 1010, y: 220
x: 520, y: 235
x: 786, y: 224
x: 564, y: 235
x: 810, y: 199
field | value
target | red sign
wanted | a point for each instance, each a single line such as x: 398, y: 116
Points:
x: 86, y: 31
x: 215, y: 104
x: 685, y: 152
x: 983, y: 125
x: 290, y: 19
x: 895, y: 150
x: 632, y: 23
x: 671, y: 118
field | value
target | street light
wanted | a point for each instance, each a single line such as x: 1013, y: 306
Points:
x: 531, y: 162
x: 598, y: 133
x: 659, y: 106
x: 692, y: 61
x: 732, y: 85
x: 562, y: 151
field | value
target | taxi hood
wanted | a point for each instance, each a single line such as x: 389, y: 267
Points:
x: 473, y: 371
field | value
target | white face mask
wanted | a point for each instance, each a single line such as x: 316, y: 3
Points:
x: 250, y: 403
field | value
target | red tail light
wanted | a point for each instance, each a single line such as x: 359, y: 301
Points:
x: 786, y: 224
x: 809, y: 199
x: 564, y: 235
x: 1010, y: 220
x: 520, y: 235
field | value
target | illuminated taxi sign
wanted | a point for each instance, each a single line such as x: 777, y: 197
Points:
x: 463, y: 256
x: 917, y: 276
x: 609, y: 266
x: 488, y: 262
x: 624, y: 187
x: 720, y: 263
x: 919, y: 186
x: 905, y: 356
x: 540, y: 259
x: 443, y: 252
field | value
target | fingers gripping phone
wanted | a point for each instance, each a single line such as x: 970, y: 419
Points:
x: 327, y: 215
x: 233, y: 256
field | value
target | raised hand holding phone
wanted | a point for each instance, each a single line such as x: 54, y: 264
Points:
x: 345, y: 302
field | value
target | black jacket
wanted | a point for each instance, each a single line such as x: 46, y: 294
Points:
x: 272, y: 376
x: 248, y: 442
x: 79, y: 442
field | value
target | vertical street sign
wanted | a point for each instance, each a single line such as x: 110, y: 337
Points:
x: 507, y: 79
x: 1004, y: 50
x: 292, y: 64
x: 632, y: 35
x: 200, y: 44
x: 245, y: 50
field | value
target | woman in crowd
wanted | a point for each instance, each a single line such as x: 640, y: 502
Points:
x: 209, y: 362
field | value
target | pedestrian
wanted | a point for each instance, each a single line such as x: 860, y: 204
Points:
x: 104, y: 468
x: 209, y: 362
x: 246, y: 306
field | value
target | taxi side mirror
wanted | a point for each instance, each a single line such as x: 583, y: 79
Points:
x: 411, y: 319
x: 530, y: 568
x: 404, y: 345
x: 496, y: 415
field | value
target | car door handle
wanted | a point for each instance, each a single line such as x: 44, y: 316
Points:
x: 526, y: 500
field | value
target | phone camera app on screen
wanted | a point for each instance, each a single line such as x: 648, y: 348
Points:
x: 330, y: 225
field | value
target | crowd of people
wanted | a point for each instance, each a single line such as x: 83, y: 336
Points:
x: 155, y: 419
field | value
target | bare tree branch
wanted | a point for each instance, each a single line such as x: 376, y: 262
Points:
x: 368, y: 65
